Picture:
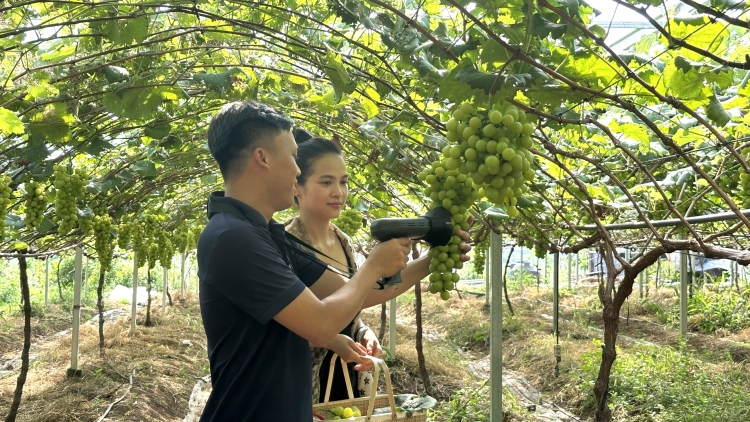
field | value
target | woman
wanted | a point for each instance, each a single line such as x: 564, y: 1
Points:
x: 321, y: 193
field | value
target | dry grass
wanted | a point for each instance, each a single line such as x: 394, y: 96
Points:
x: 165, y: 372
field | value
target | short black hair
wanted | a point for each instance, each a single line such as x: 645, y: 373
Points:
x: 308, y: 151
x: 238, y: 128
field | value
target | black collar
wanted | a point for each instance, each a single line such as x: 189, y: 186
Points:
x: 249, y: 212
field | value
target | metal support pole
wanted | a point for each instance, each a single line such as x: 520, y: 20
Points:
x: 578, y: 267
x: 487, y: 269
x: 46, y: 282
x: 164, y: 291
x: 570, y: 270
x: 496, y: 329
x: 683, y: 293
x: 73, y: 370
x: 555, y: 291
x: 392, y: 328
x: 133, y: 304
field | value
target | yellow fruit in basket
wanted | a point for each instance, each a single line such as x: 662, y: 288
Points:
x: 356, y: 414
x: 348, y: 412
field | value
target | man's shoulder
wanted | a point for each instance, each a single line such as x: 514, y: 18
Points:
x: 224, y: 228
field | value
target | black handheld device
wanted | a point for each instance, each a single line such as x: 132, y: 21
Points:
x: 435, y: 228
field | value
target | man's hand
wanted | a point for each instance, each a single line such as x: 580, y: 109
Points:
x: 370, y: 341
x: 390, y: 257
x: 350, y: 351
x: 464, y: 246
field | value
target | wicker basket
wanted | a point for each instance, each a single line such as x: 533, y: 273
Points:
x: 367, y: 405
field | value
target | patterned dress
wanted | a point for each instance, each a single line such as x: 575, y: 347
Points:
x: 295, y: 227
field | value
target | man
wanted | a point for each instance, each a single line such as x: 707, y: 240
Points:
x: 262, y: 300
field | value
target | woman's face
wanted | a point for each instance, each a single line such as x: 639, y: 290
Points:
x: 324, y: 193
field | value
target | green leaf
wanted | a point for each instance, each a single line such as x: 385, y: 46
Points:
x: 219, y: 82
x: 116, y: 73
x: 14, y: 221
x: 145, y: 168
x: 137, y: 103
x: 542, y: 27
x: 157, y: 130
x: 479, y: 80
x: 127, y: 31
x: 494, y: 54
x: 715, y: 111
x: 97, y: 146
x: 684, y: 84
x: 337, y: 74
x: 10, y: 123
x: 45, y: 226
x: 52, y: 129
x: 495, y: 213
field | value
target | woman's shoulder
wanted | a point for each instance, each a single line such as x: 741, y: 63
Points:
x: 293, y: 225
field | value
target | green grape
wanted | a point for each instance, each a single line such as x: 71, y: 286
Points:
x: 349, y: 221
x: 5, y: 199
x: 86, y: 225
x: 480, y: 255
x: 70, y: 190
x: 165, y: 250
x: 104, y: 240
x: 36, y: 202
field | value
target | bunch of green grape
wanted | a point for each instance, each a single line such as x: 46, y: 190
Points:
x: 153, y: 254
x: 104, y: 241
x: 36, y: 202
x: 124, y: 232
x: 451, y: 188
x: 493, y: 149
x: 86, y: 224
x: 165, y: 250
x: 5, y: 197
x: 181, y: 236
x: 480, y: 255
x: 349, y: 221
x: 70, y: 190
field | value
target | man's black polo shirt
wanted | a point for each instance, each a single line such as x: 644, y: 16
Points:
x: 260, y: 370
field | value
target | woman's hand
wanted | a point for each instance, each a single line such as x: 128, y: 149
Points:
x: 350, y: 351
x: 371, y: 344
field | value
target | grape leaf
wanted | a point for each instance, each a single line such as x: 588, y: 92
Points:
x: 10, y: 123
x: 337, y: 74
x: 115, y: 73
x: 145, y: 168
x: 715, y: 111
x: 157, y: 130
x: 542, y: 27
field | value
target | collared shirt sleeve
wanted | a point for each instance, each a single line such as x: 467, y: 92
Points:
x: 246, y: 268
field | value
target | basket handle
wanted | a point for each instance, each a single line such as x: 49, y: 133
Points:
x: 380, y: 365
x: 348, y: 382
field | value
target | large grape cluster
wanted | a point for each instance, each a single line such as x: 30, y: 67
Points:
x: 165, y: 250
x: 450, y: 188
x: 70, y: 190
x: 86, y: 224
x: 5, y: 197
x: 124, y: 233
x: 349, y: 221
x: 181, y: 238
x: 104, y: 241
x: 36, y: 202
x: 744, y: 181
x: 494, y: 150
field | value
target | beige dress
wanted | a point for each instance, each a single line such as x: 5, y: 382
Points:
x: 295, y: 227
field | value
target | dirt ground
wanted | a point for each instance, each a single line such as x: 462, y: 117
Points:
x: 166, y: 360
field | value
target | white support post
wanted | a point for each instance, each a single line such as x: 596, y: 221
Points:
x: 182, y: 276
x: 73, y: 371
x: 164, y: 291
x: 640, y: 284
x: 570, y: 271
x: 134, y: 302
x: 496, y: 329
x: 86, y: 279
x: 523, y: 267
x: 683, y: 293
x: 46, y: 282
x: 555, y: 291
x: 487, y: 264
x: 392, y: 328
x: 578, y: 266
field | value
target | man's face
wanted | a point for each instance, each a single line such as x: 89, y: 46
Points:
x: 284, y: 170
